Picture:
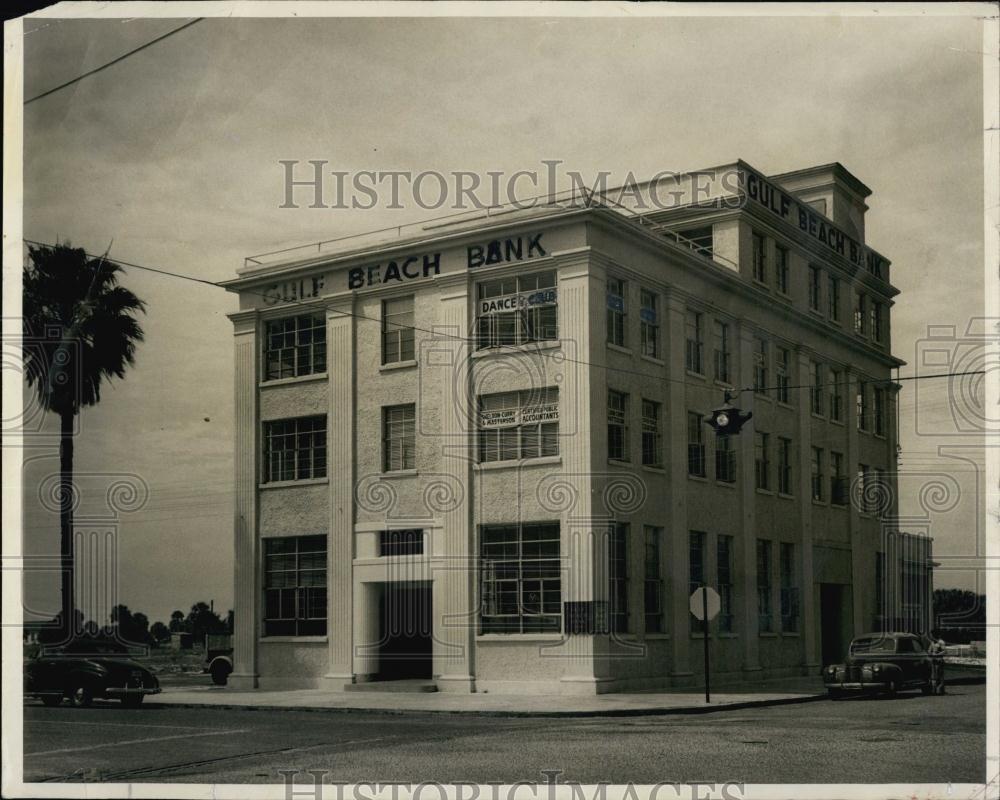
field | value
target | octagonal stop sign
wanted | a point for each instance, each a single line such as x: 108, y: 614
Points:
x: 698, y: 602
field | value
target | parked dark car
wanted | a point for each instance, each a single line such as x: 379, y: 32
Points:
x: 86, y: 669
x: 888, y: 662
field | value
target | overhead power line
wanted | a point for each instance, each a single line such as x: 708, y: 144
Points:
x: 122, y: 57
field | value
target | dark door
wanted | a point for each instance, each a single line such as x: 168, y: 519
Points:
x: 405, y: 640
x: 831, y: 623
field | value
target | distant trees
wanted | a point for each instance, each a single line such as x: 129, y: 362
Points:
x: 202, y: 619
x: 131, y: 628
x: 177, y: 621
x: 960, y: 615
x: 159, y: 632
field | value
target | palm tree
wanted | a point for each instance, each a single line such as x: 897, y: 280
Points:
x: 79, y: 330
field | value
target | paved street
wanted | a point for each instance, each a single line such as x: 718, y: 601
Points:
x: 908, y: 739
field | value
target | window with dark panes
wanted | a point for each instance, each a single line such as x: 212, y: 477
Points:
x: 765, y: 614
x: 762, y: 459
x: 295, y: 586
x: 817, y: 473
x: 399, y: 444
x: 878, y: 411
x: 397, y: 330
x: 696, y: 445
x: 833, y: 298
x: 518, y: 425
x: 781, y: 268
x: 860, y: 314
x: 722, y: 347
x: 618, y: 576
x: 758, y: 253
x: 863, y: 411
x: 815, y: 276
x: 838, y: 480
x: 520, y: 578
x: 652, y: 439
x: 693, y: 341
x: 649, y: 323
x: 616, y: 303
x: 836, y: 395
x: 696, y: 569
x: 517, y: 310
x: 789, y: 590
x: 295, y: 346
x: 816, y: 390
x: 760, y: 365
x: 724, y: 573
x: 402, y: 542
x: 618, y: 433
x: 653, y: 587
x: 725, y: 459
x: 295, y: 449
x: 877, y: 322
x: 784, y: 465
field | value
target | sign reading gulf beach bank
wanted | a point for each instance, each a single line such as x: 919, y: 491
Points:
x: 783, y: 205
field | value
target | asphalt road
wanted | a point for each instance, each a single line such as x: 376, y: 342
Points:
x: 907, y: 739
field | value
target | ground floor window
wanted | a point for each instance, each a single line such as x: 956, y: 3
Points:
x: 520, y: 580
x: 295, y: 586
x: 618, y: 576
x: 789, y: 590
x: 724, y: 580
x: 765, y: 615
x: 653, y: 590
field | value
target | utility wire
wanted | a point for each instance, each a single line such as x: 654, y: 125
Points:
x: 79, y: 78
x: 316, y: 304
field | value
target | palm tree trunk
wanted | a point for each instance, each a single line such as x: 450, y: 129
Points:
x: 66, y: 523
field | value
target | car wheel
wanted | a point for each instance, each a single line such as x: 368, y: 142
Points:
x: 81, y: 696
x: 132, y: 700
x: 52, y: 699
x: 892, y: 688
x: 220, y: 674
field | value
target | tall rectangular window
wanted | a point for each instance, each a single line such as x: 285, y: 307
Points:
x: 696, y: 568
x: 817, y: 473
x: 616, y: 302
x: 652, y: 439
x: 722, y: 347
x: 782, y: 370
x: 294, y: 586
x: 725, y: 459
x: 815, y: 276
x: 649, y: 323
x: 295, y: 449
x: 860, y: 314
x: 864, y: 412
x: 836, y: 395
x: 295, y: 346
x: 878, y: 411
x: 618, y: 434
x: 758, y: 250
x: 781, y: 268
x: 789, y: 589
x: 816, y: 390
x: 762, y: 459
x: 784, y: 465
x: 518, y: 425
x: 759, y: 365
x: 838, y: 480
x: 520, y: 578
x: 724, y: 582
x: 765, y: 614
x: 696, y: 445
x: 653, y: 587
x: 833, y: 298
x: 397, y: 330
x: 693, y: 342
x: 399, y: 444
x: 517, y: 310
x: 877, y: 322
x: 618, y: 576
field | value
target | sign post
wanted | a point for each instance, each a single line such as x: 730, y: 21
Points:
x: 705, y: 604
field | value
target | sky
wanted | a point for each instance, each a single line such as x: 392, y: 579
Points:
x: 171, y: 158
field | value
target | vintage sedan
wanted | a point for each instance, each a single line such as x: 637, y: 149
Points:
x: 886, y: 662
x: 87, y: 669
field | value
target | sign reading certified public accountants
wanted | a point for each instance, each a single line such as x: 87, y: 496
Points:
x: 504, y: 417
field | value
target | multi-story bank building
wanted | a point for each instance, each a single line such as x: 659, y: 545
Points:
x: 476, y: 454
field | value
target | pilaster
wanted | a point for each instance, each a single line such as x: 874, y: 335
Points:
x: 748, y: 502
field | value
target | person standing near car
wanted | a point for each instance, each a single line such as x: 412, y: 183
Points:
x: 936, y: 652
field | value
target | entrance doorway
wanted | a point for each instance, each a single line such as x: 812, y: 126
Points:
x: 405, y: 625
x: 831, y: 622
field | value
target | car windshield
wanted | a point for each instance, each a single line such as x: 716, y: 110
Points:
x: 867, y: 646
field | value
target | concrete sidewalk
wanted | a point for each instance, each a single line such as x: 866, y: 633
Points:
x: 796, y: 690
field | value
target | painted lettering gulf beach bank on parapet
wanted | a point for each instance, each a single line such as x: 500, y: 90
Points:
x: 394, y: 271
x: 499, y: 251
x: 290, y: 291
x: 783, y: 205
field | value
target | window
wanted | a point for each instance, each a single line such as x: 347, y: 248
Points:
x: 517, y: 310
x: 295, y: 346
x: 696, y: 569
x: 652, y: 446
x: 618, y: 577
x: 880, y: 491
x: 781, y: 268
x: 725, y: 459
x: 721, y: 351
x: 864, y: 412
x: 649, y: 323
x: 836, y: 395
x: 759, y: 255
x: 880, y: 585
x: 816, y: 390
x: 765, y: 616
x: 877, y: 323
x: 518, y: 425
x: 782, y: 370
x: 693, y: 343
x: 653, y: 588
x: 838, y: 480
x: 878, y: 411
x: 762, y: 460
x: 698, y: 239
x: 859, y: 314
x: 399, y: 446
x: 408, y: 542
x: 815, y: 275
x: 784, y: 465
x: 397, y: 330
x: 616, y: 311
x: 696, y: 445
x: 759, y: 366
x: 833, y: 298
x: 867, y: 490
x: 295, y: 449
x: 817, y: 473
x: 789, y: 591
x: 724, y: 572
x: 520, y: 586
x: 295, y: 586
x: 617, y: 426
